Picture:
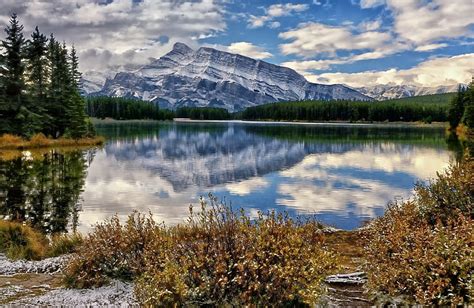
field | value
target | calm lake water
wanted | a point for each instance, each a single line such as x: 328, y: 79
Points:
x: 344, y: 175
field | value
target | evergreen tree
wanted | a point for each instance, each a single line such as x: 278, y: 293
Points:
x: 456, y: 108
x: 37, y: 72
x: 17, y: 114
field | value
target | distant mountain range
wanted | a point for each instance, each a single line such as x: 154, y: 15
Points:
x: 208, y: 77
x: 384, y: 92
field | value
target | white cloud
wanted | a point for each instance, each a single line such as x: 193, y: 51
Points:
x: 249, y: 50
x: 421, y: 22
x: 312, y: 39
x: 275, y: 11
x: 122, y: 29
x: 430, y: 47
x: 433, y: 72
x: 368, y: 4
x: 243, y: 48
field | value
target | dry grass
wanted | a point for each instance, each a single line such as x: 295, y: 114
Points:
x: 12, y: 142
x: 20, y: 241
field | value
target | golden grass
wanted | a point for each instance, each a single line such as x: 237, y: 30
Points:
x: 13, y: 142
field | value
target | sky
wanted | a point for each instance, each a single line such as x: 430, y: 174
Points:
x: 354, y: 42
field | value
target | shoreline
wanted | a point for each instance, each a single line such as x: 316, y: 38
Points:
x: 17, y: 143
x: 326, y: 123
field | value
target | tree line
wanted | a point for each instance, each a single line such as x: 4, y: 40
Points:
x: 125, y: 109
x: 345, y: 110
x: 39, y: 86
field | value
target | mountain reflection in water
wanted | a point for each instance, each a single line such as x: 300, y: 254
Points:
x: 343, y: 175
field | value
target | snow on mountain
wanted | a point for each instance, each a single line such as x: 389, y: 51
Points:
x: 384, y: 92
x: 209, y: 77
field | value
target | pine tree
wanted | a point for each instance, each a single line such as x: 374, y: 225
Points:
x: 76, y: 109
x: 37, y: 73
x: 456, y: 108
x: 16, y: 114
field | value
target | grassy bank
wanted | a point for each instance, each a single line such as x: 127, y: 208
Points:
x: 12, y: 142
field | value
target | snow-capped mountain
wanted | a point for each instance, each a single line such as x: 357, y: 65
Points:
x: 384, y: 92
x: 210, y: 77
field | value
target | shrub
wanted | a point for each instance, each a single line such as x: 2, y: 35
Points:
x: 19, y: 241
x: 112, y: 251
x: 423, y: 250
x: 218, y: 257
x: 221, y: 258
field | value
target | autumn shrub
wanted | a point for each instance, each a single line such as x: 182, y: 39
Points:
x: 112, y: 251
x: 218, y: 257
x: 422, y: 250
x: 18, y: 241
x: 223, y: 258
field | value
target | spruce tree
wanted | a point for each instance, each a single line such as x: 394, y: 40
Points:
x: 456, y: 108
x: 13, y: 111
x: 76, y: 107
x: 37, y: 73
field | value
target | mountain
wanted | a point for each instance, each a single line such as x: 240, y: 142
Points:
x: 384, y: 92
x: 214, y: 78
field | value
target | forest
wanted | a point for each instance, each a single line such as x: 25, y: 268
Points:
x: 402, y: 110
x: 125, y: 109
x: 39, y: 86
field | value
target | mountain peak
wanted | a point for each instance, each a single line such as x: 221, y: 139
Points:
x: 181, y: 47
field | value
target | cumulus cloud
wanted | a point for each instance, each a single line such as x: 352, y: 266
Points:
x: 249, y: 50
x: 434, y: 72
x: 312, y: 39
x: 421, y: 22
x: 120, y: 29
x: 274, y: 11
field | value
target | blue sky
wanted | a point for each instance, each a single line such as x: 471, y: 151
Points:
x: 355, y: 42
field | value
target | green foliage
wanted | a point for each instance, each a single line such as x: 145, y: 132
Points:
x: 39, y: 86
x: 219, y: 257
x: 461, y: 108
x: 422, y: 250
x: 125, y: 109
x: 207, y: 113
x: 391, y: 110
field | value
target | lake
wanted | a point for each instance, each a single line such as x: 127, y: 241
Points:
x: 342, y: 174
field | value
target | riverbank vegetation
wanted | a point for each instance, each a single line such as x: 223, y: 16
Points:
x: 21, y: 241
x: 39, y: 81
x: 10, y: 142
x: 422, y: 250
x: 218, y: 257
